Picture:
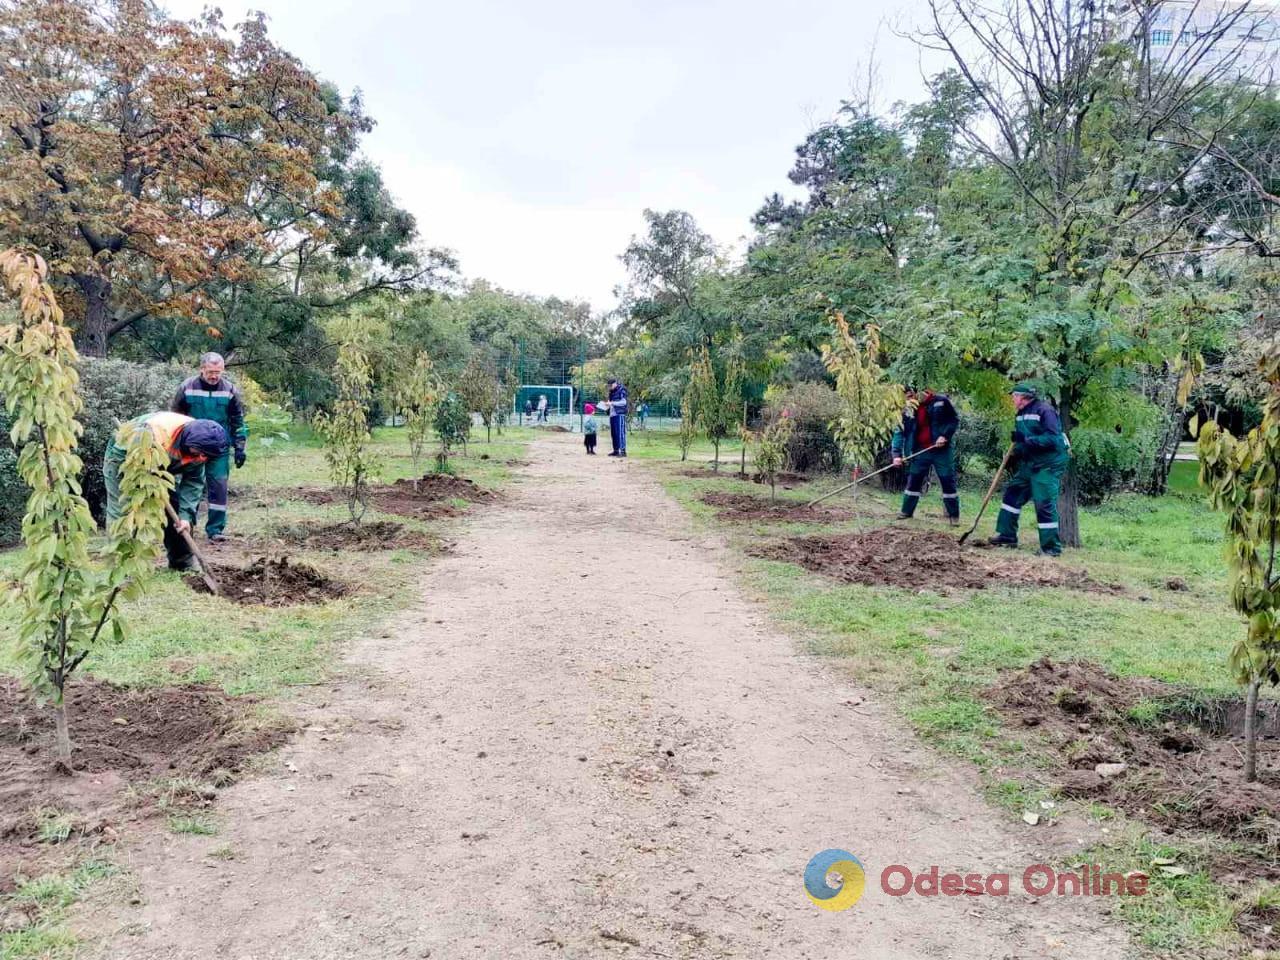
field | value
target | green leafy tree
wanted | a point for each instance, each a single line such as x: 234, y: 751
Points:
x: 345, y: 431
x: 453, y: 427
x: 1242, y: 475
x: 482, y: 389
x: 716, y: 397
x: 771, y: 450
x: 416, y: 396
x: 870, y: 405
x: 66, y: 598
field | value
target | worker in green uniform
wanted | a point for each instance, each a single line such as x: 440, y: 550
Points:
x: 211, y: 396
x: 1040, y: 455
x: 190, y: 444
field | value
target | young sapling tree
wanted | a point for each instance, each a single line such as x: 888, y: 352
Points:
x: 345, y: 431
x: 67, y: 600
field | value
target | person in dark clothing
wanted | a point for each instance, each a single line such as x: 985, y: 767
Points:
x: 617, y: 404
x: 929, y: 423
x: 211, y: 396
x: 1040, y: 457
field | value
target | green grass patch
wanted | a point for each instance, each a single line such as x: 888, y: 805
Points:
x: 45, y: 901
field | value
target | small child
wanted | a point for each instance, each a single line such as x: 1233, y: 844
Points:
x: 589, y: 428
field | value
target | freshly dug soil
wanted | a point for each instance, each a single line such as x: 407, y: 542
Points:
x: 784, y: 480
x: 271, y: 582
x: 916, y: 559
x: 432, y: 498
x: 374, y: 535
x: 121, y: 737
x: 1177, y: 772
x: 744, y: 506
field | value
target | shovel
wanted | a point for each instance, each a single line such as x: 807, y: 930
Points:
x: 209, y: 581
x: 877, y: 473
x: 995, y: 482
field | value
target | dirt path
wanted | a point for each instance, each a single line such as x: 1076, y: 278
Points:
x: 584, y: 742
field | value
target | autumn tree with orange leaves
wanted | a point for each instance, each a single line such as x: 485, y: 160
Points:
x: 157, y: 165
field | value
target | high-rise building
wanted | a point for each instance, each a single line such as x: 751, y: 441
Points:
x: 1239, y: 37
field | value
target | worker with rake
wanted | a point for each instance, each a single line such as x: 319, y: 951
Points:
x: 1039, y: 458
x: 929, y: 423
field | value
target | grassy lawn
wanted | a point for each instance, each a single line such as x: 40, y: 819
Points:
x: 176, y: 636
x: 935, y: 654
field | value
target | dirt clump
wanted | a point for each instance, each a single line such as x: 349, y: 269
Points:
x: 746, y: 506
x: 916, y: 559
x: 374, y: 535
x: 271, y: 582
x: 1157, y: 764
x: 122, y: 738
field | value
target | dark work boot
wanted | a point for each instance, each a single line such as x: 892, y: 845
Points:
x: 1003, y: 542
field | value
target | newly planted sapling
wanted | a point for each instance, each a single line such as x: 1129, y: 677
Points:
x: 870, y: 406
x: 716, y: 398
x: 345, y: 431
x: 416, y: 399
x: 67, y: 599
x: 453, y: 427
x: 1242, y: 475
x: 771, y: 454
x: 688, y: 425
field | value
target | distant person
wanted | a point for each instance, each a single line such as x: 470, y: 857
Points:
x: 542, y: 408
x: 642, y: 414
x: 191, y: 444
x: 211, y: 396
x: 589, y: 429
x: 928, y: 424
x: 1040, y: 455
x: 618, y: 418
x: 528, y: 407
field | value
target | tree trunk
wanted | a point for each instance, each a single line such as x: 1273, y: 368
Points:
x: 1068, y: 496
x: 96, y: 332
x: 773, y: 494
x: 488, y: 433
x: 715, y: 467
x: 1251, y: 732
x: 63, y: 731
x: 742, y: 470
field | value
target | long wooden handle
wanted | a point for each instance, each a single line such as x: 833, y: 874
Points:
x: 827, y: 496
x: 995, y: 482
x: 195, y: 551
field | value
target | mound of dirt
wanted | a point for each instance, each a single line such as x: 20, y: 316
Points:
x: 376, y: 535
x: 744, y: 506
x: 784, y: 480
x: 429, y: 497
x: 916, y: 559
x: 271, y: 582
x: 1170, y: 770
x: 121, y: 737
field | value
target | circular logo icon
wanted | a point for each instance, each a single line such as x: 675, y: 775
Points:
x: 834, y: 880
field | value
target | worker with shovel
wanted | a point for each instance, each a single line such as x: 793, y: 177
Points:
x: 190, y: 444
x: 1039, y: 459
x: 928, y: 425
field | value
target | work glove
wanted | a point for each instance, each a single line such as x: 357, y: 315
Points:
x: 240, y: 458
x: 1015, y: 437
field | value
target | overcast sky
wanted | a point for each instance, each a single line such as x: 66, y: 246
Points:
x: 529, y: 135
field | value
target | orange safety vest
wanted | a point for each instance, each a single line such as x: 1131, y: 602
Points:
x: 166, y: 426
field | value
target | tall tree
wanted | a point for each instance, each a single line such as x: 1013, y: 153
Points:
x: 157, y: 165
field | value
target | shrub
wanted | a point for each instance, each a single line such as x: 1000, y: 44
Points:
x: 112, y: 391
x: 812, y: 447
x: 981, y: 442
x: 1107, y: 462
